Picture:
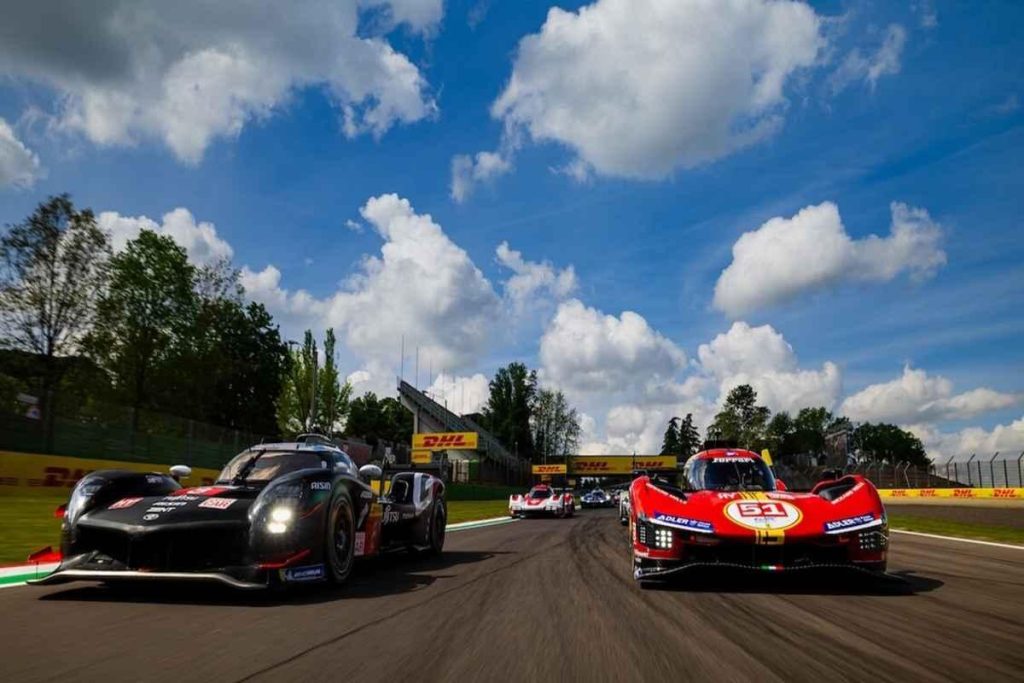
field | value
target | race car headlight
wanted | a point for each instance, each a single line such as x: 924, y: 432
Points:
x: 81, y: 496
x: 662, y: 538
x: 277, y: 506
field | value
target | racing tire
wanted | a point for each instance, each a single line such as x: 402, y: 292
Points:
x: 340, y: 541
x: 437, y: 528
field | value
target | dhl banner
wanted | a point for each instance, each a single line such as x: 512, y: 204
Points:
x: 619, y: 464
x: 549, y: 469
x: 49, y: 475
x: 979, y: 493
x: 445, y: 441
x: 421, y: 457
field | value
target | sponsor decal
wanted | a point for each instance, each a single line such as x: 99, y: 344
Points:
x: 311, y: 572
x: 732, y: 459
x: 849, y: 493
x: 726, y: 496
x: 390, y: 516
x: 124, y: 503
x: 760, y: 515
x: 218, y: 503
x: 619, y: 464
x: 421, y: 457
x: 775, y: 495
x: 320, y: 486
x: 150, y: 517
x: 549, y: 469
x: 683, y: 522
x: 159, y: 510
x: 849, y: 522
x: 154, y: 479
x: 445, y: 441
x: 200, y: 491
x: 1005, y: 493
x: 360, y: 544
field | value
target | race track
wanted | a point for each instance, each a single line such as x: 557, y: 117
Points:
x: 539, y: 600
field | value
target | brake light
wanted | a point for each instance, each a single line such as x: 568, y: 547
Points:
x: 61, y: 509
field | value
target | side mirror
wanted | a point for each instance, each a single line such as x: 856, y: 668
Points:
x: 780, y: 485
x: 370, y: 472
x: 179, y: 472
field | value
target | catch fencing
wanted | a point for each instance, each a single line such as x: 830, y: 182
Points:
x: 997, y: 470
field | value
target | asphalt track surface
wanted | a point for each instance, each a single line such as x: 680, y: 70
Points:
x: 539, y: 600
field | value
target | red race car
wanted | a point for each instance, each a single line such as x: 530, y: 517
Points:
x: 727, y: 509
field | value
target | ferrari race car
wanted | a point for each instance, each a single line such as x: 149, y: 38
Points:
x: 277, y: 514
x: 624, y: 508
x: 542, y: 500
x: 596, y: 498
x: 729, y: 510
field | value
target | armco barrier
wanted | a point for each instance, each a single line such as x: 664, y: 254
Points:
x: 961, y: 493
x: 29, y: 474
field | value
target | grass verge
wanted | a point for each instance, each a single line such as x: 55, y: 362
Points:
x: 27, y: 523
x: 942, y: 527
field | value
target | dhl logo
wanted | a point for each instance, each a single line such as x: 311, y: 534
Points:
x: 445, y: 441
x: 928, y: 493
x: 549, y: 469
x: 59, y: 477
x: 963, y: 493
x: 651, y: 464
x: 603, y: 466
x: 899, y: 493
x: 1005, y: 493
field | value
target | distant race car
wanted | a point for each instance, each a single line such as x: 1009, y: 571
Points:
x: 596, y: 498
x: 728, y: 510
x: 624, y: 508
x: 277, y: 514
x: 542, y: 500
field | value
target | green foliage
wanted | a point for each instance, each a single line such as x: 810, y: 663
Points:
x: 372, y: 419
x: 888, y: 443
x: 509, y: 407
x: 313, y: 398
x: 670, y: 441
x: 555, y: 425
x: 689, y: 437
x: 742, y: 420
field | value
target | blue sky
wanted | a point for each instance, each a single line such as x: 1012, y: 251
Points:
x: 920, y: 104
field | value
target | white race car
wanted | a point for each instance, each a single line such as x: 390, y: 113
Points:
x: 624, y: 507
x: 542, y: 500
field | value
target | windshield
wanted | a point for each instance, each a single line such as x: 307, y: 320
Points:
x: 539, y: 494
x: 729, y: 474
x: 268, y: 465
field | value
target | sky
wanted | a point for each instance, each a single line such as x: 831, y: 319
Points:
x: 648, y: 201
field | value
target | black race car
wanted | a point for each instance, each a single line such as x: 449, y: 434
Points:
x: 278, y: 513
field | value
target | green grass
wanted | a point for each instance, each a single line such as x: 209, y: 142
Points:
x: 469, y: 510
x: 26, y: 525
x: 985, y: 532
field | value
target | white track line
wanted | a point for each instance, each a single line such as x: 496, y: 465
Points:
x: 961, y: 540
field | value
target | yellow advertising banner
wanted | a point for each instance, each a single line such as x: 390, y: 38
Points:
x: 619, y: 464
x: 445, y: 441
x: 549, y: 469
x: 52, y: 475
x: 978, y: 493
x: 421, y: 457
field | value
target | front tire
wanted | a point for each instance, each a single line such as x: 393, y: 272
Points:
x: 339, y: 544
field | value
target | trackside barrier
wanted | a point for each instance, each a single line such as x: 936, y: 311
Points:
x: 30, y: 474
x: 956, y: 494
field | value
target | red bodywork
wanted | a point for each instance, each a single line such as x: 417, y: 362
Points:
x: 839, y: 523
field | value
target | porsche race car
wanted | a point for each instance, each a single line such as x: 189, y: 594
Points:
x: 542, y: 500
x: 727, y: 509
x: 277, y: 514
x: 596, y: 498
x: 624, y: 508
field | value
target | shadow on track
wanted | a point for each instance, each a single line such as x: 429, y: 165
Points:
x: 807, y: 582
x: 371, y: 578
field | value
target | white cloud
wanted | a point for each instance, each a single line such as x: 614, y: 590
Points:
x: 200, y: 239
x: 19, y: 166
x: 462, y: 395
x: 583, y: 350
x: 532, y: 281
x: 761, y: 357
x: 639, y: 88
x: 787, y: 257
x: 188, y: 72
x: 916, y: 398
x: 941, y: 446
x: 885, y: 61
x: 468, y: 171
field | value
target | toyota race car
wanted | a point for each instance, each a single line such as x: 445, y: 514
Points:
x: 596, y: 498
x: 277, y: 513
x: 624, y: 508
x: 728, y: 510
x: 542, y: 500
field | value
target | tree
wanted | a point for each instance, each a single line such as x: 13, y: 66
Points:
x: 670, y: 441
x: 689, y: 437
x: 780, y: 434
x: 313, y: 398
x: 811, y: 425
x: 145, y: 317
x: 509, y: 405
x: 741, y: 419
x: 333, y: 396
x: 890, y: 444
x: 555, y: 425
x: 53, y: 269
x: 373, y: 420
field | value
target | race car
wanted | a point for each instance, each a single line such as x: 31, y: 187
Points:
x: 624, y: 508
x: 727, y: 509
x: 277, y: 514
x: 542, y: 500
x: 596, y: 498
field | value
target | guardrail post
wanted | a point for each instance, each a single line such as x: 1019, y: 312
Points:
x: 1020, y: 473
x: 992, y: 469
x: 970, y: 477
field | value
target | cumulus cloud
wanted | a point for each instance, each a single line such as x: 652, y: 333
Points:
x: 639, y: 88
x: 584, y: 350
x: 1006, y: 439
x: 884, y: 61
x: 199, y: 239
x: 915, y: 398
x: 462, y: 395
x: 19, y: 166
x: 788, y: 257
x: 762, y: 358
x: 532, y: 281
x: 468, y: 171
x: 188, y: 72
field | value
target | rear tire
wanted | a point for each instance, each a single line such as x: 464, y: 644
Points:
x: 339, y: 544
x: 438, y: 525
